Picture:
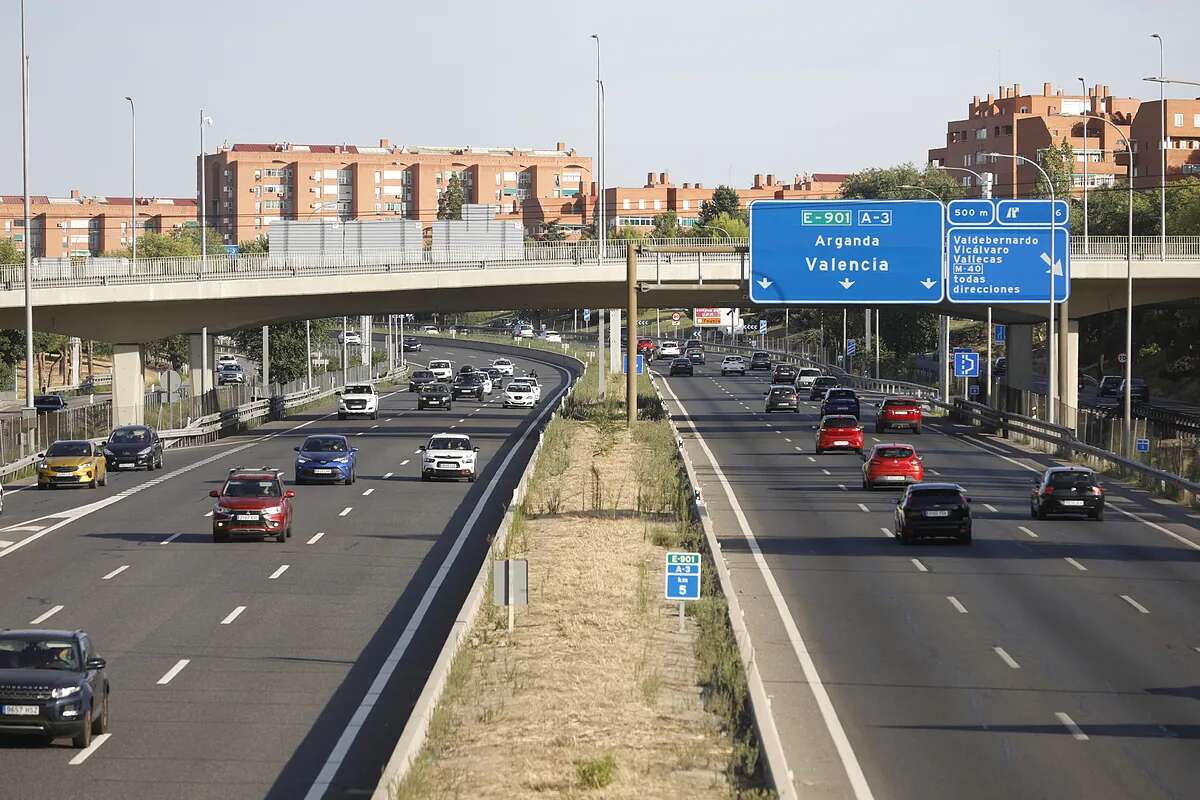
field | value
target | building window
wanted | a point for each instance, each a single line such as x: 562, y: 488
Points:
x: 1179, y: 120
x: 276, y: 173
x: 378, y: 176
x: 657, y: 205
x: 981, y: 133
x: 1196, y: 121
x: 641, y: 204
x: 257, y: 174
x: 625, y: 204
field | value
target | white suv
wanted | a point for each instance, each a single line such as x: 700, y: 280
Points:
x: 733, y: 364
x: 805, y: 377
x: 448, y: 455
x: 358, y: 399
x: 669, y: 349
x: 504, y: 365
x: 444, y: 370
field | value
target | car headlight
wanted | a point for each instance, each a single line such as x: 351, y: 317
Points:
x: 43, y: 465
x: 64, y: 691
x: 302, y: 460
x: 108, y: 452
x: 341, y: 460
x: 273, y: 510
x: 145, y: 451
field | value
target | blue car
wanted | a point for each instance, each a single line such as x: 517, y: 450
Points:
x: 840, y: 401
x: 326, y: 457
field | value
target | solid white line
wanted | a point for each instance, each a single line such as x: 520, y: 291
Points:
x: 854, y: 771
x: 1076, y: 564
x: 171, y: 538
x: 86, y: 753
x: 345, y: 511
x: 959, y: 607
x: 316, y: 537
x: 4, y: 544
x: 1141, y: 608
x: 863, y: 506
x: 173, y: 671
x: 38, y: 620
x: 23, y: 528
x: 387, y: 475
x: 237, y: 612
x: 887, y: 532
x: 1068, y: 723
x: 115, y: 573
x: 917, y: 563
x: 367, y: 492
x: 1006, y: 658
x: 1027, y: 532
x: 990, y: 508
x: 282, y: 569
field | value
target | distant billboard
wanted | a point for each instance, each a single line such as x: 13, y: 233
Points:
x: 709, y: 317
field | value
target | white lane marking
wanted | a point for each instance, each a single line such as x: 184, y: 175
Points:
x: 452, y: 427
x: 1075, y: 564
x: 316, y: 537
x: 810, y: 458
x: 389, y: 419
x: 854, y: 771
x: 388, y: 668
x: 209, y: 514
x: 38, y: 620
x: 237, y: 612
x: 827, y: 472
x: 1027, y: 532
x: 173, y: 671
x: 887, y: 532
x: 1068, y: 723
x: 784, y: 438
x: 863, y: 506
x: 86, y: 753
x: 275, y: 575
x: 842, y: 486
x: 1006, y: 658
x: 367, y: 492
x: 360, y: 433
x: 418, y: 452
x: 1141, y: 608
x: 171, y: 538
x: 959, y: 607
x: 990, y: 508
x: 115, y: 573
x: 387, y: 475
x: 345, y: 511
x: 402, y: 463
x: 916, y: 562
x: 373, y: 427
x: 933, y: 472
x: 23, y: 528
x: 4, y: 544
x: 873, y: 438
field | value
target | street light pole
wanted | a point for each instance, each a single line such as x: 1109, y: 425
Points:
x: 599, y: 214
x: 1086, y: 114
x: 133, y: 180
x: 1162, y: 149
x: 27, y: 232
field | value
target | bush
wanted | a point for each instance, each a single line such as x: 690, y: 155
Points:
x: 595, y: 773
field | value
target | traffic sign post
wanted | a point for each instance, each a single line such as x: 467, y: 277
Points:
x: 846, y: 251
x: 587, y: 315
x: 966, y: 364
x: 1143, y: 445
x: 1001, y: 334
x: 683, y: 579
x: 641, y: 364
x: 851, y: 347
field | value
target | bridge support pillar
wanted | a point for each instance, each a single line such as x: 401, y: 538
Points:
x: 1019, y: 377
x: 201, y: 372
x: 1068, y: 370
x: 614, y: 341
x: 128, y: 385
x: 74, y: 343
x: 365, y: 349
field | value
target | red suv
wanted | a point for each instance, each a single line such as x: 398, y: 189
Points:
x: 839, y: 432
x: 892, y: 465
x: 252, y: 502
x: 899, y: 412
x: 647, y: 348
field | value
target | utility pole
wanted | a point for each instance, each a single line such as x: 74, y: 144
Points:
x: 28, y: 233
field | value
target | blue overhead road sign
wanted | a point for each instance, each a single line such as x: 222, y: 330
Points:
x: 1001, y: 334
x: 1000, y: 264
x: 971, y: 212
x: 1030, y: 212
x: 966, y: 364
x: 846, y: 251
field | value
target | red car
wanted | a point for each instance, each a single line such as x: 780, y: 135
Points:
x: 839, y: 432
x: 252, y: 502
x: 647, y: 348
x: 892, y: 465
x: 899, y: 412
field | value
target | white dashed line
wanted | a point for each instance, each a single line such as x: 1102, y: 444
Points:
x: 282, y: 569
x: 345, y: 511
x: 933, y: 472
x: 1076, y: 564
x: 171, y: 538
x: 464, y: 419
x: 827, y: 472
x: 38, y: 620
x: 86, y: 753
x: 864, y: 508
x: 367, y: 492
x: 209, y: 514
x: 1006, y: 658
x: 990, y: 508
x: 316, y: 537
x: 1141, y: 608
x: 1068, y: 723
x: 1027, y: 532
x: 373, y: 427
x: 887, y: 532
x: 842, y: 486
x: 402, y: 463
x: 387, y: 475
x: 173, y: 671
x: 237, y: 612
x: 416, y: 452
x: 959, y: 607
x: 916, y: 562
x: 115, y: 573
x: 789, y: 441
x: 360, y: 433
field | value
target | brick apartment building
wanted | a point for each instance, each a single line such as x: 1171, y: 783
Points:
x: 81, y: 225
x: 249, y: 186
x: 1027, y: 124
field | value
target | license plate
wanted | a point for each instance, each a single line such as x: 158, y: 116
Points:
x: 434, y: 402
x: 247, y: 517
x: 841, y: 443
x: 1072, y: 502
x: 893, y: 477
x: 937, y: 513
x: 900, y: 413
x: 323, y: 471
x: 22, y: 711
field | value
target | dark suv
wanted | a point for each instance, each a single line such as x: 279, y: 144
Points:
x: 933, y: 509
x: 841, y: 401
x: 784, y: 373
x: 52, y: 684
x: 1067, y: 490
x: 1139, y: 391
x: 468, y: 384
x: 760, y: 360
x: 434, y: 395
x: 133, y: 447
x: 420, y: 378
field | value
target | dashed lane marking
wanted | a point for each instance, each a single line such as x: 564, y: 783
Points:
x: 275, y: 575
x: 1027, y: 532
x: 1075, y: 564
x: 1068, y: 723
x: 86, y: 753
x: 237, y: 612
x: 916, y: 562
x: 39, y: 619
x: 173, y: 671
x: 345, y: 511
x: 171, y: 538
x: 316, y: 537
x: 1141, y: 609
x: 959, y: 607
x: 115, y: 572
x: 1006, y: 658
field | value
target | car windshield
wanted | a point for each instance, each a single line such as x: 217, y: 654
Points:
x: 520, y: 386
x: 47, y: 400
x: 469, y: 377
x: 1072, y: 480
x: 68, y: 449
x: 361, y: 388
x: 231, y: 368
x: 39, y: 654
x: 839, y: 423
x: 433, y: 388
x: 840, y: 394
x: 809, y: 371
x: 894, y: 452
x: 246, y: 487
x: 1110, y: 380
x: 448, y: 443
x: 898, y: 403
x: 130, y: 436
x: 825, y: 382
x: 422, y: 375
x: 932, y: 497
x: 439, y: 364
x: 324, y: 444
x: 761, y: 356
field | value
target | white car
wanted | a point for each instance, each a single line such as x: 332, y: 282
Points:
x: 532, y: 381
x: 552, y: 336
x: 226, y: 358
x: 669, y: 349
x: 448, y: 455
x: 488, y: 386
x: 358, y: 399
x: 525, y: 332
x: 349, y: 337
x: 504, y: 365
x: 520, y: 393
x: 443, y: 370
x: 805, y: 377
x: 429, y: 329
x: 731, y: 364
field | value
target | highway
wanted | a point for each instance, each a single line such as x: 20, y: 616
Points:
x: 1048, y: 659
x: 255, y: 669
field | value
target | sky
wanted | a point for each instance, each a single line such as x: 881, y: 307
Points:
x: 708, y: 91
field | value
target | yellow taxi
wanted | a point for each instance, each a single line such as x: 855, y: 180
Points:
x: 72, y: 462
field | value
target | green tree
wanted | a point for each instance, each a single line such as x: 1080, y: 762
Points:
x: 627, y: 232
x: 724, y: 201
x: 666, y: 226
x: 288, y: 349
x: 183, y: 241
x: 552, y: 232
x: 1108, y: 213
x: 884, y: 184
x: 10, y: 253
x: 450, y: 202
x: 1059, y: 163
x: 1183, y: 208
x: 175, y: 350
x: 255, y: 247
x: 733, y: 224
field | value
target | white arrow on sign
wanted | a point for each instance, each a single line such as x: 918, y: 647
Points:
x: 1058, y: 270
x: 764, y: 283
x: 846, y: 283
x: 928, y: 283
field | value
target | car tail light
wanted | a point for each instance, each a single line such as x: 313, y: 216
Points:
x: 1096, y: 490
x: 1047, y: 491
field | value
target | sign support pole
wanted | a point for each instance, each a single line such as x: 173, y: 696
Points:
x: 682, y: 623
x: 991, y: 334
x: 508, y: 594
x: 631, y: 336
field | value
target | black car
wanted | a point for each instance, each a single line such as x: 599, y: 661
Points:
x: 1067, y: 490
x: 695, y: 355
x: 421, y: 377
x: 1000, y: 367
x: 434, y: 395
x: 760, y: 360
x: 497, y: 378
x: 465, y: 369
x: 468, y: 384
x: 933, y: 509
x: 411, y: 346
x: 840, y: 401
x: 1109, y: 386
x: 1140, y: 391
x: 681, y: 366
x: 45, y: 403
x: 784, y: 373
x: 820, y: 386
x: 782, y: 398
x: 133, y: 447
x: 52, y: 684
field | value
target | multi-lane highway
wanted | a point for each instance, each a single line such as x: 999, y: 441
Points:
x: 255, y: 669
x: 1048, y: 659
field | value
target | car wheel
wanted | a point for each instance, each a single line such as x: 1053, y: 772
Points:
x: 1041, y: 513
x: 1032, y: 511
x: 84, y: 737
x: 281, y: 536
x: 470, y: 479
x: 917, y: 430
x: 220, y: 537
x: 820, y: 451
x: 104, y: 480
x: 375, y: 416
x: 878, y: 428
x: 100, y: 724
x: 350, y: 478
x: 289, y: 531
x: 1099, y: 515
x: 865, y: 485
x: 424, y: 476
x: 41, y: 485
x: 903, y: 536
x: 298, y: 481
x: 92, y: 483
x: 965, y: 538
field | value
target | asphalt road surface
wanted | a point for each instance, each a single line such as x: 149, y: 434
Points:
x: 255, y: 669
x: 1049, y: 659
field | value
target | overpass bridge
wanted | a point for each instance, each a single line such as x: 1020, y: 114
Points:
x: 127, y: 303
